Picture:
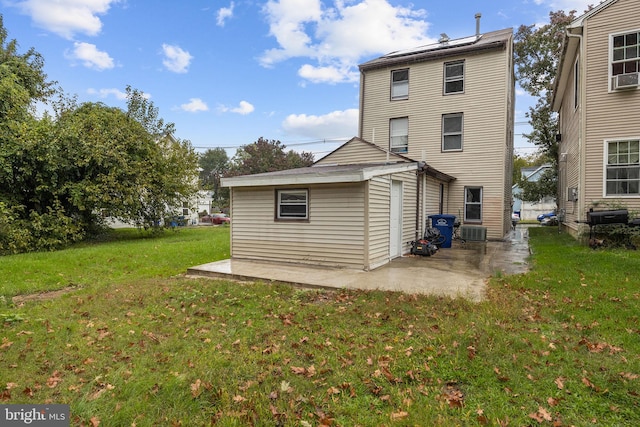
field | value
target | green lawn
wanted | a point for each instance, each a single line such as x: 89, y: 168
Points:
x: 134, y: 342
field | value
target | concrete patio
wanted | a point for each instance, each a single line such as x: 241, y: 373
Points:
x: 459, y: 271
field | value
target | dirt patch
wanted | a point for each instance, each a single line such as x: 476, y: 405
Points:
x: 43, y: 296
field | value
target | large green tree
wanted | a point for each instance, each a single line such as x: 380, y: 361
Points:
x: 214, y: 164
x: 537, y: 51
x: 267, y: 156
x: 58, y: 174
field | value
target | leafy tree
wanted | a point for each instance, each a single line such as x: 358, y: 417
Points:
x: 58, y: 174
x: 214, y: 164
x: 537, y: 51
x: 267, y: 156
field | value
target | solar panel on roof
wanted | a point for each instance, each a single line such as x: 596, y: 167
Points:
x: 434, y: 46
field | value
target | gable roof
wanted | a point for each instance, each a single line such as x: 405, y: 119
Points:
x: 374, y: 149
x: 467, y: 45
x: 372, y: 153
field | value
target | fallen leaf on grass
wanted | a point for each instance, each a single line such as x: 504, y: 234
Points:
x: 399, y: 415
x: 238, y: 399
x: 541, y: 415
x: 6, y: 343
x: 54, y: 379
x: 559, y: 382
x: 629, y: 375
x: 195, y: 388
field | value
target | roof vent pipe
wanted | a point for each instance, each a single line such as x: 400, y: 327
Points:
x: 478, y: 16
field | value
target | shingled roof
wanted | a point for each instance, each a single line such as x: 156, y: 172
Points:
x: 464, y: 46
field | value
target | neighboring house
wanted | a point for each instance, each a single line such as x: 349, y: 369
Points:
x: 336, y: 213
x: 597, y: 100
x: 451, y: 105
x: 531, y: 210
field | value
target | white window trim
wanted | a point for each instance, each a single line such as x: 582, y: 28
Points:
x: 402, y: 97
x: 279, y: 193
x: 605, y: 155
x: 404, y: 148
x: 474, y: 221
x: 610, y: 57
x: 445, y: 80
x: 576, y: 83
x: 443, y: 133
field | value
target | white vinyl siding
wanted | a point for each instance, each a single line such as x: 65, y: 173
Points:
x: 356, y: 151
x: 333, y: 235
x: 608, y: 115
x: 487, y: 105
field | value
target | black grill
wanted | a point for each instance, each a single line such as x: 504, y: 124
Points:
x: 607, y: 217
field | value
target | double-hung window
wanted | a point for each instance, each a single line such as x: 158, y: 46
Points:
x: 452, y: 132
x: 473, y: 204
x: 453, y: 77
x: 625, y: 60
x: 400, y: 84
x: 623, y: 168
x: 625, y: 55
x: 399, y: 135
x: 292, y: 204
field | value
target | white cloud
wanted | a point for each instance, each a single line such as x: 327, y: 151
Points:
x: 104, y: 93
x: 223, y: 14
x: 176, y: 59
x: 90, y: 56
x: 243, y: 108
x: 334, y: 124
x: 338, y: 37
x: 578, y: 5
x: 328, y: 74
x: 67, y: 17
x: 194, y: 105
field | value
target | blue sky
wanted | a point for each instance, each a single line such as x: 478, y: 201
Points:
x: 229, y: 72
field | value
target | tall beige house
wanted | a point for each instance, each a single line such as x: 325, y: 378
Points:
x: 451, y: 106
x: 597, y: 100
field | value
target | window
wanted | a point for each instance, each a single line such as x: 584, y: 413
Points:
x: 473, y: 204
x: 452, y: 132
x: 293, y: 204
x: 185, y: 209
x: 576, y: 83
x: 625, y: 55
x: 400, y: 84
x: 399, y: 135
x: 623, y: 168
x: 453, y: 77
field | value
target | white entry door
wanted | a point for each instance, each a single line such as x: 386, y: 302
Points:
x: 395, y: 220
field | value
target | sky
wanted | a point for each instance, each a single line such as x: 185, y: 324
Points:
x: 227, y: 73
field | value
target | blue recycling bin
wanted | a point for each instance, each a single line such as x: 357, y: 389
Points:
x: 444, y: 224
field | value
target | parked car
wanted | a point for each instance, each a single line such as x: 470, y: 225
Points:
x: 550, y: 220
x: 217, y: 219
x: 545, y: 215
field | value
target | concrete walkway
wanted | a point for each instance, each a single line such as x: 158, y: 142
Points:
x: 459, y: 271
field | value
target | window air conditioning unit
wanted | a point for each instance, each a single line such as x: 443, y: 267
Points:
x: 625, y: 81
x: 473, y: 233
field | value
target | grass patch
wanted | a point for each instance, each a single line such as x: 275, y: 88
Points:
x: 146, y: 347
